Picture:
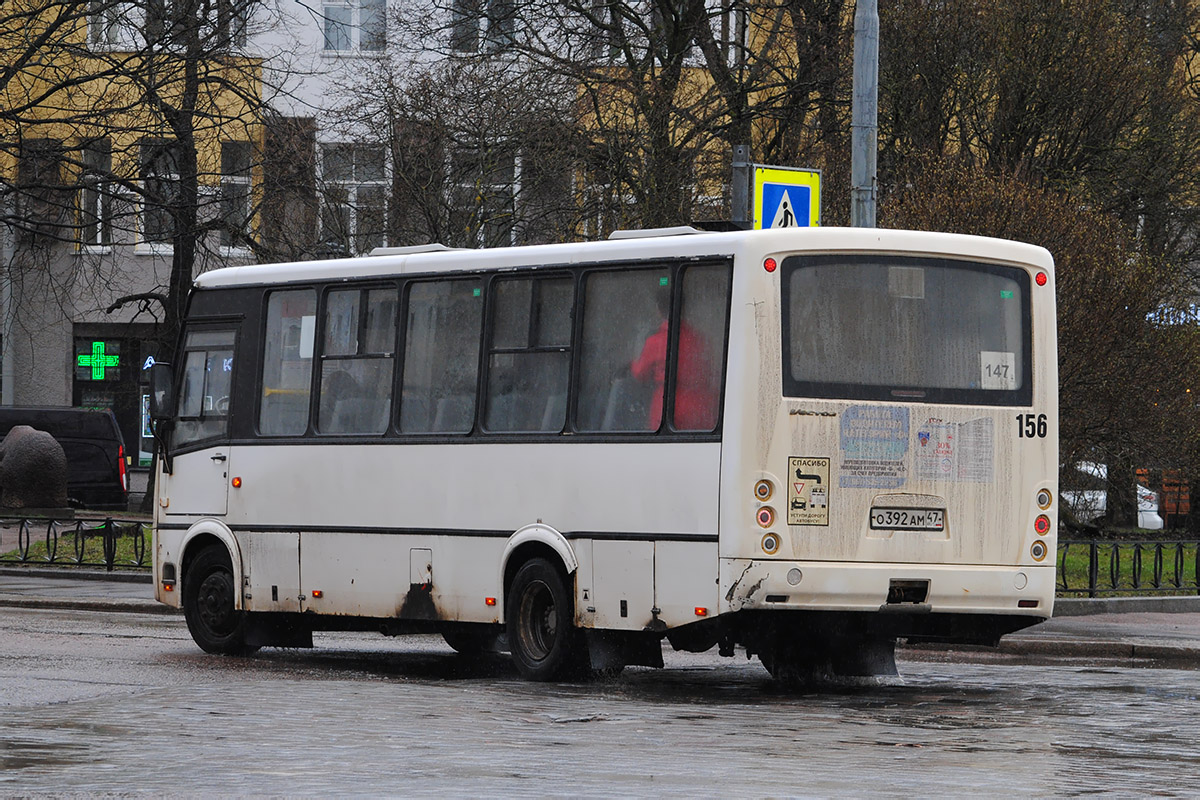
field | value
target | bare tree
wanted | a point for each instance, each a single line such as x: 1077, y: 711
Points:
x: 652, y: 94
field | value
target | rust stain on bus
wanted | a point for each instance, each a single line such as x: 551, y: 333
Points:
x: 418, y: 603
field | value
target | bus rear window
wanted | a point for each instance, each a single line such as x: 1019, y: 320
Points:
x: 906, y: 329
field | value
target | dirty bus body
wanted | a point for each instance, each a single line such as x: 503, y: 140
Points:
x: 807, y: 442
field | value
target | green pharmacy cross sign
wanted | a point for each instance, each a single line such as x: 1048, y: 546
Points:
x: 98, y: 360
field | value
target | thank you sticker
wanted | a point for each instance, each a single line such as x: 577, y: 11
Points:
x: 808, y: 491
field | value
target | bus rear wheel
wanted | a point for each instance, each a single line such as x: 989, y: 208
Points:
x: 209, y: 604
x: 542, y: 637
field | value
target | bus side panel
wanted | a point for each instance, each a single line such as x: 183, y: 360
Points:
x: 685, y: 581
x: 400, y: 575
x: 272, y: 569
x: 623, y: 577
x: 493, y: 488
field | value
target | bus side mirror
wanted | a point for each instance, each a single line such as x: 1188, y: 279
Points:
x: 162, y: 392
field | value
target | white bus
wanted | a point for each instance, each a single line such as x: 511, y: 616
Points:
x: 808, y: 443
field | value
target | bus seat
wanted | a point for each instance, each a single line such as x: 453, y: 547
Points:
x: 454, y: 414
x: 626, y: 408
x: 501, y: 413
x: 415, y: 414
x: 555, y: 415
x: 359, y: 415
x: 284, y: 414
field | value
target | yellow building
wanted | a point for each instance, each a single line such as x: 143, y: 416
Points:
x: 130, y: 145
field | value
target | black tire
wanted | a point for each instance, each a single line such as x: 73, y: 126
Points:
x: 209, y: 604
x: 542, y: 636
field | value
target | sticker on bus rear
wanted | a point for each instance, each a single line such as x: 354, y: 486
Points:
x: 808, y: 491
x: 998, y: 371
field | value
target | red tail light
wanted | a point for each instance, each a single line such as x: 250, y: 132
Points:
x: 121, y: 468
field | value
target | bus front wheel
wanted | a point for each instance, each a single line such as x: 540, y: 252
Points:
x: 209, y: 604
x: 542, y: 637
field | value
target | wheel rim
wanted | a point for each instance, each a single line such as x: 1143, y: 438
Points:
x: 214, y: 604
x: 538, y: 622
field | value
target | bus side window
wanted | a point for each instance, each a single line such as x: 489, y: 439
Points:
x: 441, y: 357
x: 287, y: 363
x: 620, y: 314
x: 698, y: 369
x: 356, y: 361
x: 530, y: 359
x: 205, y: 385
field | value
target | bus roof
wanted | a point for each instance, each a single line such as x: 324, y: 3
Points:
x: 698, y: 245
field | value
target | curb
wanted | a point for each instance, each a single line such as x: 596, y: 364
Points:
x: 77, y: 573
x: 1080, y: 607
x: 122, y: 606
x: 1052, y: 650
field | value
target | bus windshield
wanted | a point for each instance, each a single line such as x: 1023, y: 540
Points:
x: 906, y: 329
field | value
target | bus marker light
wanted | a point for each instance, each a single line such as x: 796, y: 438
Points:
x: 701, y: 611
x: 1040, y: 278
x: 237, y: 483
x: 765, y: 516
x: 1038, y: 550
x: 770, y: 544
x: 317, y: 594
x: 1027, y: 603
x: 769, y: 264
x: 1042, y: 525
x: 763, y: 490
x: 168, y: 586
x: 489, y: 601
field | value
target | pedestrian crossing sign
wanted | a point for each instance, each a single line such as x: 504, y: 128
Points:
x: 786, y: 197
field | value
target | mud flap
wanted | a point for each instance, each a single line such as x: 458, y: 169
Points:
x: 613, y: 649
x: 276, y: 630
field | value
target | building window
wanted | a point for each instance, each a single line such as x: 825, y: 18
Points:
x: 346, y: 21
x: 484, y: 183
x: 233, y: 16
x: 160, y: 191
x: 44, y: 202
x: 482, y: 24
x: 236, y: 159
x: 353, y: 212
x: 111, y: 24
x: 95, y: 205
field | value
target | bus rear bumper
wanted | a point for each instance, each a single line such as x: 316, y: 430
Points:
x: 769, y: 585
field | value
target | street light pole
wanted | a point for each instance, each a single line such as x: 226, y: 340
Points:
x: 864, y: 124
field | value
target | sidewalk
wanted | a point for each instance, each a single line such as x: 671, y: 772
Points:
x: 1140, y: 631
x: 81, y: 589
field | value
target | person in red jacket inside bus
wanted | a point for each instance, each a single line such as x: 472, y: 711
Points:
x: 696, y: 392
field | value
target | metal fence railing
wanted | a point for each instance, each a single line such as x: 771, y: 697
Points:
x: 1085, y: 567
x: 1091, y: 567
x: 85, y: 542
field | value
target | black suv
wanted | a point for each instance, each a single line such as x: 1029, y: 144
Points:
x: 97, y: 470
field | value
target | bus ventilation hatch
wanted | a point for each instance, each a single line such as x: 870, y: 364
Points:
x: 901, y: 592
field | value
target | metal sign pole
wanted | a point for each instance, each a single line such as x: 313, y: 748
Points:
x: 739, y: 200
x: 864, y: 114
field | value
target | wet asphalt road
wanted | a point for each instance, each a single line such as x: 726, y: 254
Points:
x: 107, y: 703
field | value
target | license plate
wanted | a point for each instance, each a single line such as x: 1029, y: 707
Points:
x: 908, y: 519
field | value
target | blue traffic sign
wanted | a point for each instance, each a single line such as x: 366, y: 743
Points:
x: 786, y: 198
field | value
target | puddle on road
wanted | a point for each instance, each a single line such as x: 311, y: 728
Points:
x: 37, y: 755
x: 379, y: 721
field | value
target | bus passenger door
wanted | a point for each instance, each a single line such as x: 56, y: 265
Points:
x: 199, y: 480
